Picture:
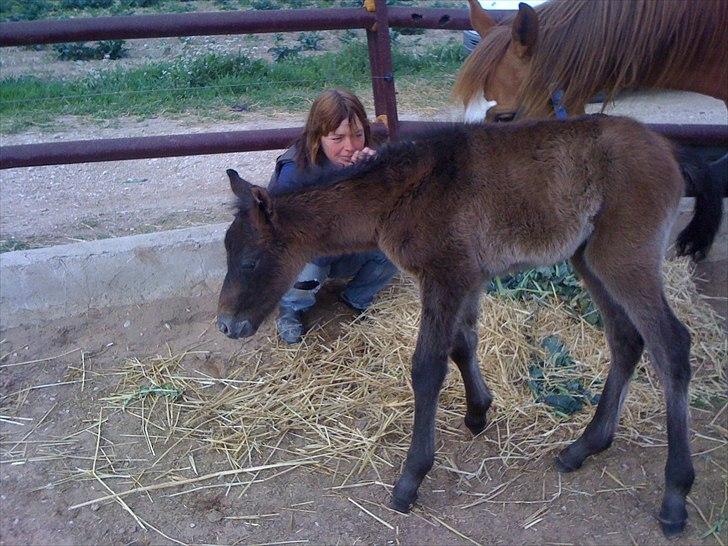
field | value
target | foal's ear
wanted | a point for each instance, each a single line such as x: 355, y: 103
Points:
x: 240, y: 187
x: 479, y: 18
x: 524, y: 30
x: 256, y: 199
x: 262, y: 200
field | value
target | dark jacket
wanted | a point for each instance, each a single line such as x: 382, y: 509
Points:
x: 287, y: 175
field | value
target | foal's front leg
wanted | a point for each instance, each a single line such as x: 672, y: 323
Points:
x: 429, y: 368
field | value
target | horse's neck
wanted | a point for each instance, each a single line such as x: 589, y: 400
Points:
x: 331, y: 220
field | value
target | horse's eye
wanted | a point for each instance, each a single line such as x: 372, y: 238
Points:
x: 249, y: 266
x: 505, y: 116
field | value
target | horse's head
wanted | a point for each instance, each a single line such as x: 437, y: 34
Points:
x: 490, y: 81
x: 259, y: 267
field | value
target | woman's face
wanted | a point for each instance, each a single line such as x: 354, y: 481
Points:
x: 341, y: 143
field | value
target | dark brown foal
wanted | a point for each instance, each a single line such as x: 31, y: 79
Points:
x: 463, y: 204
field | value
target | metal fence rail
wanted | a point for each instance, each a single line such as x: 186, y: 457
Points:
x: 116, y: 149
x: 228, y: 22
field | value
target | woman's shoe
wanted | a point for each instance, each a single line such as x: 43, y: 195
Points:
x: 290, y: 326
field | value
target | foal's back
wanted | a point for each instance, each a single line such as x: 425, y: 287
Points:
x: 531, y: 194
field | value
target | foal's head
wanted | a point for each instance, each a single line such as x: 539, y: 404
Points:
x: 259, y: 266
x: 499, y: 65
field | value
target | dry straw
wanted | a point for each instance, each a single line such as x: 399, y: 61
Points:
x: 342, y: 403
x: 347, y: 402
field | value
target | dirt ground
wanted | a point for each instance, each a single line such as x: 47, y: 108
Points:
x: 54, y: 378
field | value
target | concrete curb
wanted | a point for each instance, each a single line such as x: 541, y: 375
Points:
x: 60, y: 281
x: 49, y: 283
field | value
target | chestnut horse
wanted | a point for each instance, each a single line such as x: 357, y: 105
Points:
x: 465, y: 203
x: 581, y: 47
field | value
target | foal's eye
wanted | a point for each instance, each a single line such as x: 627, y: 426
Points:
x: 249, y: 266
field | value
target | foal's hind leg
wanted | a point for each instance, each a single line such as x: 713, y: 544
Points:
x: 638, y: 289
x: 464, y: 355
x: 625, y: 345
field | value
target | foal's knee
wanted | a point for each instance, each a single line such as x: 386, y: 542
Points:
x: 465, y: 346
x: 428, y: 372
x: 679, y: 348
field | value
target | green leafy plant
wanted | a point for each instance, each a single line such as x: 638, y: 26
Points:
x: 310, y: 41
x: 75, y: 51
x: 86, y: 4
x: 264, y: 4
x: 558, y: 280
x: 12, y: 244
x: 554, y: 380
x: 23, y: 10
x: 282, y: 51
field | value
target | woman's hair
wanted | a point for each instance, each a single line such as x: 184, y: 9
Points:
x: 327, y: 112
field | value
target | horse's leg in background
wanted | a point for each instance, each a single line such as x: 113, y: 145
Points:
x: 464, y: 354
x: 637, y: 288
x: 625, y: 346
x: 440, y: 306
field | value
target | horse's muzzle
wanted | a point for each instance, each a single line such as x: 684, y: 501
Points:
x: 233, y: 328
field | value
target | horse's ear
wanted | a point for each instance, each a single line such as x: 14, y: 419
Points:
x: 524, y: 30
x: 240, y: 187
x: 479, y: 18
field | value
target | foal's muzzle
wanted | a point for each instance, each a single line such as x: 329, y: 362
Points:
x: 234, y: 329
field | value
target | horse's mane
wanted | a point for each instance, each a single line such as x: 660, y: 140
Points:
x: 586, y: 46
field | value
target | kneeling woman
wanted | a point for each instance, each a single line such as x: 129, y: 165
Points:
x: 336, y: 134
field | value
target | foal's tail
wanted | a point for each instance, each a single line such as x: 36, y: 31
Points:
x: 696, y: 239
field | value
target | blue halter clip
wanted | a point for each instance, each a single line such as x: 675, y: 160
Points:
x: 557, y: 98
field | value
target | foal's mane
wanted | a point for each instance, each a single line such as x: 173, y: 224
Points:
x: 585, y: 46
x: 399, y: 155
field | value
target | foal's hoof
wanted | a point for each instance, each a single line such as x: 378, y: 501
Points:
x: 401, y: 505
x: 476, y: 426
x: 672, y: 528
x: 673, y: 516
x: 565, y: 466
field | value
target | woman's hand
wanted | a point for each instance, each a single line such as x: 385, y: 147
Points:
x: 364, y: 153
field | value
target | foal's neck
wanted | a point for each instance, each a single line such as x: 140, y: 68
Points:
x: 333, y: 219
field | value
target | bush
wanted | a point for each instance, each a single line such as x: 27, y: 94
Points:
x: 86, y: 4
x: 23, y: 10
x: 263, y: 4
x: 140, y: 3
x: 75, y: 51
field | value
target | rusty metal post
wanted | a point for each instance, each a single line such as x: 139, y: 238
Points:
x: 380, y: 59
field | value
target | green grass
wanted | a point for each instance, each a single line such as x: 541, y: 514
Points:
x: 209, y: 85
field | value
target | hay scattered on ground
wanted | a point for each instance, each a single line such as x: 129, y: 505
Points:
x: 350, y: 400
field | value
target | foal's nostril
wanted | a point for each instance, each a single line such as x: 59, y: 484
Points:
x: 222, y: 326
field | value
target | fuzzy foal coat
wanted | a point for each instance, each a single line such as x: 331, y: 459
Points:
x: 472, y: 201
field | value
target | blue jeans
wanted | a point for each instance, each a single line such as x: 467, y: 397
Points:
x: 369, y: 272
